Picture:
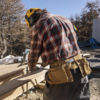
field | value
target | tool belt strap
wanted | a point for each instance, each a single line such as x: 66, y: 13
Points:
x: 60, y: 72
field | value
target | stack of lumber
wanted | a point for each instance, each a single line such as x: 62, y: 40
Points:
x: 14, y: 81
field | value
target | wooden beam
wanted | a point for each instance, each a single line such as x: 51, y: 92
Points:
x: 5, y: 69
x: 16, y: 87
x: 11, y: 74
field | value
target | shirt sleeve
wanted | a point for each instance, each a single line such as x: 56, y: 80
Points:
x: 35, y: 50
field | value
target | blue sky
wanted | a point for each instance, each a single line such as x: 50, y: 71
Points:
x: 65, y: 8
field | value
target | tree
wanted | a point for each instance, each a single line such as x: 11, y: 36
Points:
x: 11, y: 26
x: 85, y: 20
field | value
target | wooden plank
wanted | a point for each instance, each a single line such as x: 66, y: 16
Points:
x: 11, y: 74
x: 4, y: 69
x: 30, y: 79
x: 12, y: 94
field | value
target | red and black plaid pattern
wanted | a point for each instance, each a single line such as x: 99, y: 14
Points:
x: 53, y: 38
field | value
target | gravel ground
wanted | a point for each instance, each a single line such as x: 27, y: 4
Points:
x: 94, y: 60
x: 95, y: 88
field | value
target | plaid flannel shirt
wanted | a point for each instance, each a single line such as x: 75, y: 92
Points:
x: 53, y: 38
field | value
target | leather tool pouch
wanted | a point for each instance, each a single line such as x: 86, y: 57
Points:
x: 59, y: 75
x: 62, y: 73
x: 84, y: 66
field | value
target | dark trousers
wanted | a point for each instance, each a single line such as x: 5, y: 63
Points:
x: 77, y: 90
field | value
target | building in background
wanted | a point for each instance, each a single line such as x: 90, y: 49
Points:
x: 96, y: 29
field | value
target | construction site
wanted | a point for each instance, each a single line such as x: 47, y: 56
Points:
x: 16, y: 81
x: 17, y: 84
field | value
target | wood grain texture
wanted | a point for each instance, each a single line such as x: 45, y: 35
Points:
x: 16, y: 87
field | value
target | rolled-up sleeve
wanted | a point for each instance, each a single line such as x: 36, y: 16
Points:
x: 35, y: 50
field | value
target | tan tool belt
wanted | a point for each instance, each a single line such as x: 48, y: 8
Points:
x: 60, y: 71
